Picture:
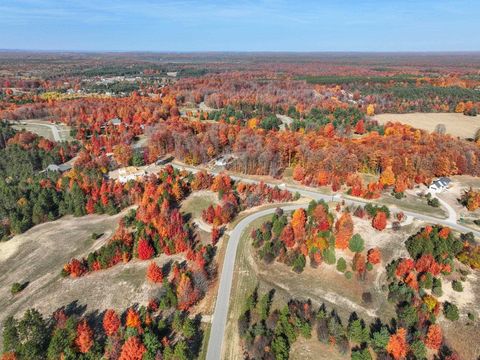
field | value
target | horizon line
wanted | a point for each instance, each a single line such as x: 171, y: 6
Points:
x: 19, y: 50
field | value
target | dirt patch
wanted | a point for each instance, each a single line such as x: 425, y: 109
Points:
x: 455, y: 124
x: 455, y: 191
x: 312, y: 349
x: 38, y: 255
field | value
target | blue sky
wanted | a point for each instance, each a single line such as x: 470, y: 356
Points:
x: 268, y: 25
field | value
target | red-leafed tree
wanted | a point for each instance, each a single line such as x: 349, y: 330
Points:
x: 145, y: 250
x: 404, y: 267
x: 111, y: 322
x: 374, y: 256
x: 216, y: 233
x: 84, y: 339
x: 154, y: 273
x: 133, y: 349
x: 379, y: 221
x: 288, y: 236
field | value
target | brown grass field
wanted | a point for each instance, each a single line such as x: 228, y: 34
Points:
x: 455, y: 124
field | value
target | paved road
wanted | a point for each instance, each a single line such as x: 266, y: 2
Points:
x: 451, y: 221
x: 217, y: 332
x: 220, y: 315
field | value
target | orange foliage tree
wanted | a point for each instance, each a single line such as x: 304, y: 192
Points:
x: 397, y: 345
x: 84, y: 339
x: 154, y: 273
x: 374, y: 256
x: 343, y: 230
x: 299, y: 219
x: 379, y: 222
x: 133, y: 349
x: 111, y: 322
x: 434, y: 337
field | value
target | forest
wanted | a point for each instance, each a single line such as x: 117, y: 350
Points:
x: 308, y: 122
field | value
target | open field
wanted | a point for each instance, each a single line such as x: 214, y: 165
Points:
x: 321, y: 285
x: 456, y: 124
x: 43, y: 127
x: 38, y: 255
x: 413, y: 203
x: 458, y: 186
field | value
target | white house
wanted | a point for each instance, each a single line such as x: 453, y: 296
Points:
x: 439, y: 185
x: 130, y: 173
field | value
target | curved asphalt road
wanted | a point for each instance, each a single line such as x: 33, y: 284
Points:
x: 220, y: 315
x: 217, y: 332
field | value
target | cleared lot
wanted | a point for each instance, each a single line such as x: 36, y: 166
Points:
x: 455, y: 124
x: 38, y: 255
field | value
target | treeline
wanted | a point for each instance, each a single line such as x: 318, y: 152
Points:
x: 146, y: 332
x: 269, y: 333
x: 407, y: 155
x: 28, y: 196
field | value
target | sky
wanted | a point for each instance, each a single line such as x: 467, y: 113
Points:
x: 240, y: 25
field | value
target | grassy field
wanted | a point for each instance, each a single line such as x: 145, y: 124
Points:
x: 38, y: 255
x: 413, y: 203
x: 322, y: 285
x: 197, y: 202
x: 455, y: 124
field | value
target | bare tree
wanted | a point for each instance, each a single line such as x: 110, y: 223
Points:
x: 440, y: 129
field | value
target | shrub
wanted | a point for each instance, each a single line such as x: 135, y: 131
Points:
x: 437, y: 287
x: 450, y: 311
x: 17, y: 287
x: 329, y: 256
x: 457, y: 286
x: 356, y: 243
x: 369, y: 267
x: 341, y: 265
x: 433, y: 202
x: 348, y: 275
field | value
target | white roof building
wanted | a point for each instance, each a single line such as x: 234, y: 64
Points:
x: 439, y: 184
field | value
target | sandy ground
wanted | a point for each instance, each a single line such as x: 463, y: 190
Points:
x: 457, y: 188
x: 455, y: 124
x: 38, y: 255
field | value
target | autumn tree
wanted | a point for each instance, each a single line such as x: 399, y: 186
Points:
x: 154, y: 273
x: 123, y: 154
x: 133, y: 349
x: 387, y: 178
x: 374, y: 256
x: 299, y: 219
x: 84, y: 339
x: 434, y: 337
x: 288, y: 236
x: 379, y: 221
x: 397, y: 345
x: 145, y: 250
x: 111, y: 322
x: 343, y: 230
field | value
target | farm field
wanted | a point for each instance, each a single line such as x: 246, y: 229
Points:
x: 455, y: 124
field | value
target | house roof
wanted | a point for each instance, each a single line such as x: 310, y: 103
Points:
x: 115, y: 121
x: 442, y: 182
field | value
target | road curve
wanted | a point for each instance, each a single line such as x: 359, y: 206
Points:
x: 220, y: 315
x: 219, y: 322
